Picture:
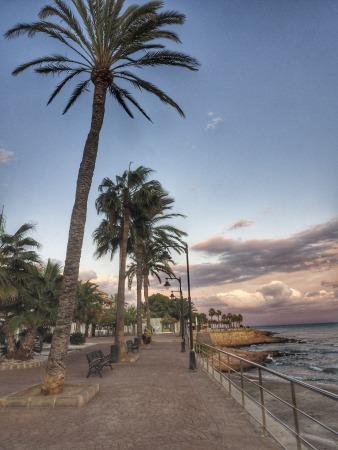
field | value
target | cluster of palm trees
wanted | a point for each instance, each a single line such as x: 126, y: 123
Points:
x: 28, y: 288
x: 30, y: 291
x: 104, y: 43
x: 134, y: 210
x: 230, y: 320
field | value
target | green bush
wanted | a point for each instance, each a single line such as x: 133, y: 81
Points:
x: 48, y: 338
x: 77, y: 339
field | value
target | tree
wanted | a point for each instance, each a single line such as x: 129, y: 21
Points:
x: 211, y: 313
x: 218, y: 314
x: 106, y: 44
x: 17, y: 259
x: 118, y: 201
x: 130, y: 315
x: 89, y: 304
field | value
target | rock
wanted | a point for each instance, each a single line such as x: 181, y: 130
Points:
x: 238, y: 337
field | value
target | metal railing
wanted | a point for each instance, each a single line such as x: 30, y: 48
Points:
x: 220, y: 364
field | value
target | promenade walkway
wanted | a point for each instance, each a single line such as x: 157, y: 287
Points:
x: 153, y: 404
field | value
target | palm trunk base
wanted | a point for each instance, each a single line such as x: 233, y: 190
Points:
x: 53, y: 384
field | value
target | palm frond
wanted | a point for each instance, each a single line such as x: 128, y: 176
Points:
x: 80, y: 88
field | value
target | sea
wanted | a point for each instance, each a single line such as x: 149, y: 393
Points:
x: 313, y: 358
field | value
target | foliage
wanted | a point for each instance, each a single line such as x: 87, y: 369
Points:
x: 106, y: 43
x: 164, y: 307
x: 77, y: 339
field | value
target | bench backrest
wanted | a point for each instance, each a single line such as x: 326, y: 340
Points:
x: 93, y: 355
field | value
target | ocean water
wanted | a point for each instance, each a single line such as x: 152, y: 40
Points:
x: 313, y: 358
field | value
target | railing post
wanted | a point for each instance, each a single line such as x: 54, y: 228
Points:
x: 262, y: 398
x: 242, y: 381
x: 295, y: 415
x: 229, y: 375
x: 212, y: 363
x: 219, y: 367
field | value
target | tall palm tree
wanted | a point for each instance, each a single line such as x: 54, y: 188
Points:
x: 118, y: 201
x: 153, y: 240
x: 218, y: 314
x: 106, y: 43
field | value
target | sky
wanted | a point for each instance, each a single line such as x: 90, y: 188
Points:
x: 252, y: 166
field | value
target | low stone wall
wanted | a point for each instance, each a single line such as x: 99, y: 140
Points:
x: 30, y: 364
x: 237, y: 337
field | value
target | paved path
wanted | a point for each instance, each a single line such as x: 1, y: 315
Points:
x: 153, y: 404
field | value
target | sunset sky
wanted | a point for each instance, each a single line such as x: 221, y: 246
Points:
x: 253, y: 166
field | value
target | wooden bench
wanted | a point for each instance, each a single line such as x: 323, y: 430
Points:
x: 97, y: 361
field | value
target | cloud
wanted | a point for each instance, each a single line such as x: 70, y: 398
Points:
x: 5, y: 155
x: 242, y: 223
x: 213, y: 122
x: 315, y: 248
x: 86, y: 275
x: 107, y: 283
x: 275, y: 301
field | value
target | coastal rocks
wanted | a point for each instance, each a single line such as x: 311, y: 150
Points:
x: 238, y: 337
x: 225, y: 362
x: 230, y: 340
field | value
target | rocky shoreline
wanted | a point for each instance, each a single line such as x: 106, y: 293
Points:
x: 232, y: 340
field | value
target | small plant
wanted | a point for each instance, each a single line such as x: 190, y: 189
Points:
x: 77, y: 339
x: 48, y: 338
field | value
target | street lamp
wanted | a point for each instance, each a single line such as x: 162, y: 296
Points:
x: 172, y: 296
x: 192, y: 356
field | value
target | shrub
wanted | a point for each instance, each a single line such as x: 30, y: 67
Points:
x: 48, y: 338
x: 77, y: 339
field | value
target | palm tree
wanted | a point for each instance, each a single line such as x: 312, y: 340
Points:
x: 118, y: 201
x: 218, y: 314
x: 17, y: 260
x: 212, y: 312
x: 38, y: 305
x: 89, y: 301
x: 155, y: 261
x: 106, y: 43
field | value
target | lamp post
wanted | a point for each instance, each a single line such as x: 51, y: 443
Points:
x: 167, y: 285
x: 192, y: 356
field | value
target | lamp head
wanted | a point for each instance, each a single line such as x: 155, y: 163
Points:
x: 167, y: 284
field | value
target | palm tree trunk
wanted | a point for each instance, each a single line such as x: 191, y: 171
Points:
x: 146, y: 301
x: 139, y: 290
x: 55, y: 373
x: 77, y: 326
x: 10, y: 343
x: 25, y: 352
x: 119, y: 332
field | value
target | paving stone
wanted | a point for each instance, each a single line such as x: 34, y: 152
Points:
x: 155, y: 403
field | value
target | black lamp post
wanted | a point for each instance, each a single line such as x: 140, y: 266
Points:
x: 192, y: 356
x: 167, y: 285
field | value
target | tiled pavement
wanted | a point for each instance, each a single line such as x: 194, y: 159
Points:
x: 153, y: 404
